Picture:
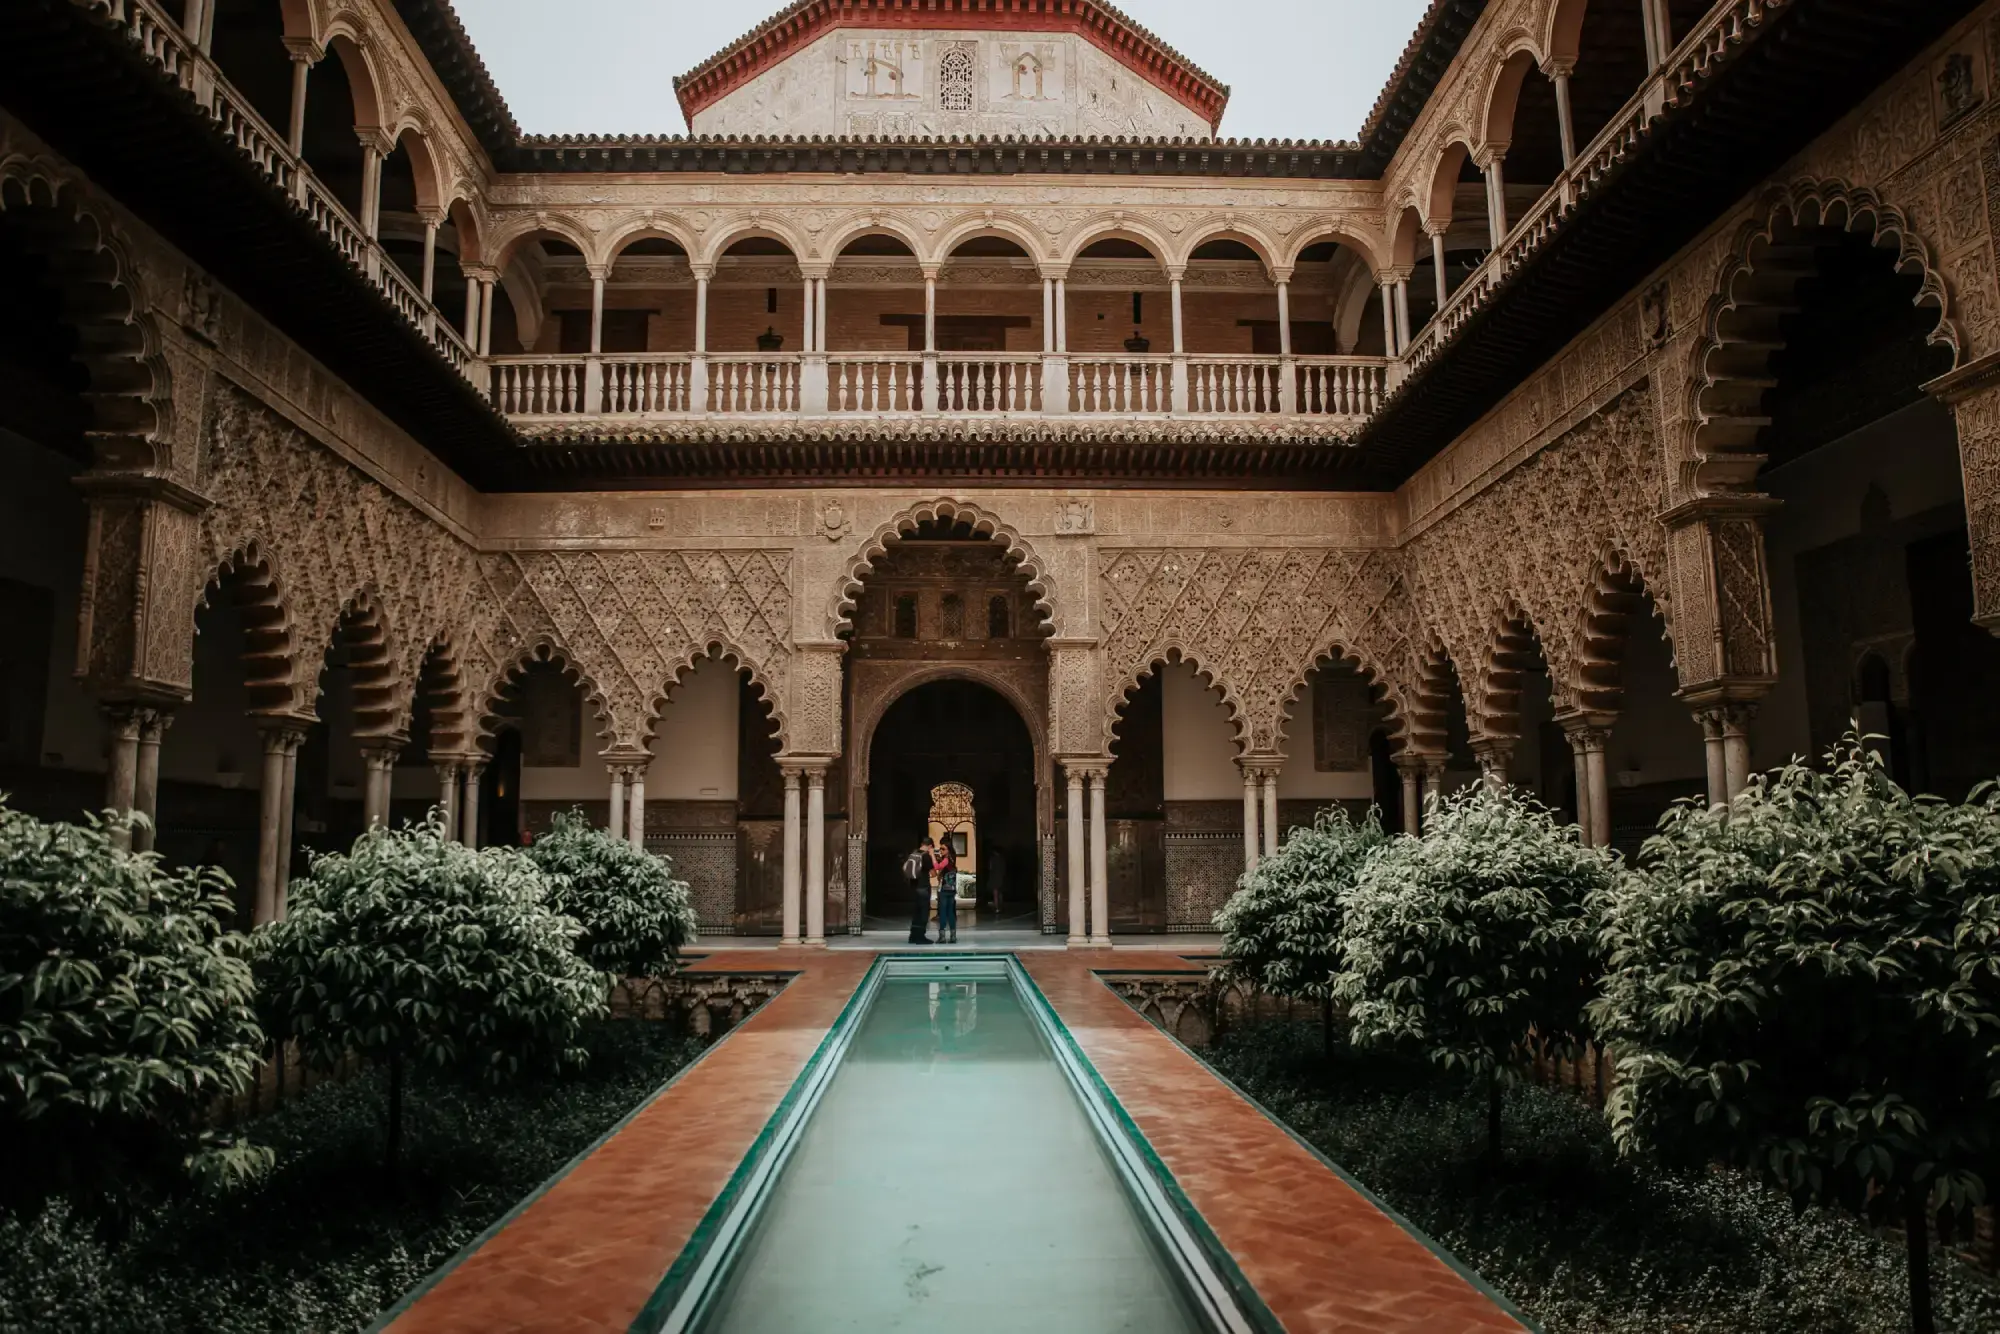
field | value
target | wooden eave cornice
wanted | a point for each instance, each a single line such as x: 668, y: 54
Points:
x: 1101, y: 24
x: 76, y: 79
x: 1806, y: 68
x: 1213, y: 158
x: 455, y: 61
x: 1428, y: 54
x: 781, y: 454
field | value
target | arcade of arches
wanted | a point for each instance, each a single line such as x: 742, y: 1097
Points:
x: 1748, y: 507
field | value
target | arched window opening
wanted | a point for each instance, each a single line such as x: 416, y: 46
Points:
x: 998, y: 624
x: 955, y: 80
x: 906, y: 616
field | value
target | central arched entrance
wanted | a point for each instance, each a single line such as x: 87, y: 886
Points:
x: 940, y: 735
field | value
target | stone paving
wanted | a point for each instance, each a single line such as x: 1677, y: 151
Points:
x: 587, y: 1253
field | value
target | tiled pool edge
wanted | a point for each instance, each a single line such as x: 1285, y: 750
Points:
x: 1248, y: 1299
x: 436, y: 1276
x: 672, y: 1285
x: 1450, y: 1260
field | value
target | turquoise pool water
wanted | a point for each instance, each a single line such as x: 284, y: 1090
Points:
x: 950, y: 1180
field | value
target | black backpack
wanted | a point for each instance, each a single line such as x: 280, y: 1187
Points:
x: 915, y: 868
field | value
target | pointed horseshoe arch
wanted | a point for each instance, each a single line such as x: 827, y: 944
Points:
x: 840, y: 614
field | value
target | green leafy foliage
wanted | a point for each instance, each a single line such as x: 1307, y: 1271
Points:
x: 1281, y: 929
x: 125, y: 1009
x: 635, y: 916
x: 414, y: 949
x: 1463, y: 942
x: 1808, y: 986
x: 1582, y: 1238
x: 303, y: 1249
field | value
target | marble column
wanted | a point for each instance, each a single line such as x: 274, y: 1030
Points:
x: 1587, y: 737
x: 449, y: 805
x: 1565, y: 120
x: 1496, y: 756
x: 379, y: 761
x: 1249, y: 817
x: 288, y: 805
x: 1585, y: 819
x: 1100, y: 863
x: 270, y: 822
x: 791, y: 860
x: 816, y: 856
x: 1079, y: 886
x: 146, y: 779
x: 1496, y: 198
x: 1270, y: 781
x: 295, y: 129
x: 1411, y: 771
x: 469, y: 814
x: 122, y: 775
x: 1437, y: 264
x: 635, y: 820
x: 615, y: 822
x: 1434, y: 777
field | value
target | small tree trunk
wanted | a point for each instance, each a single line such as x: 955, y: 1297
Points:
x: 1916, y: 1225
x: 395, y: 1117
x: 1493, y: 1115
x: 1326, y: 1027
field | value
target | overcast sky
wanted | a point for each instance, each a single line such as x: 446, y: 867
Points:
x: 1298, y: 69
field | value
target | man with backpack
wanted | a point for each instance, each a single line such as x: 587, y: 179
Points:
x: 917, y: 870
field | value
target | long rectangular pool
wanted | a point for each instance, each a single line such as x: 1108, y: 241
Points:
x: 949, y: 1163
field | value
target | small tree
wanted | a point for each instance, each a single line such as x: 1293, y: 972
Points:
x: 635, y: 916
x: 414, y: 950
x: 1462, y: 943
x: 1805, y: 985
x: 125, y: 1010
x: 1281, y: 930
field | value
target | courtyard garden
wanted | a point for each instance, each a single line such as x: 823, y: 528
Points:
x: 1796, y: 997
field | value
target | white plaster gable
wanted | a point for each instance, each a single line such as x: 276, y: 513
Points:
x: 893, y: 83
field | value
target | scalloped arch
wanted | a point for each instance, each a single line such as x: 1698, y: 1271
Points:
x: 840, y: 613
x: 1729, y: 364
x: 1169, y: 653
x: 130, y: 390
x: 1617, y: 593
x: 716, y: 648
x: 1381, y: 688
x: 264, y: 616
x: 542, y: 648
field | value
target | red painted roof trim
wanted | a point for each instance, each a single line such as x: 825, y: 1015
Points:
x: 808, y: 20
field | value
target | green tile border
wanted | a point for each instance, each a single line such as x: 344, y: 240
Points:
x: 674, y: 1282
x: 1248, y: 1300
x: 1423, y: 1238
x: 493, y: 1229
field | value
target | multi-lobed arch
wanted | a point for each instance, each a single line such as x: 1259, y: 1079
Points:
x: 1381, y: 692
x: 718, y: 648
x: 264, y: 617
x: 103, y: 298
x: 840, y: 614
x: 1172, y: 653
x: 542, y: 649
x: 1729, y: 366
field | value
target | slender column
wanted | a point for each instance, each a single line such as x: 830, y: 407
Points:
x: 819, y: 315
x: 1062, y: 316
x: 1411, y: 771
x: 1736, y: 747
x: 122, y: 778
x: 1271, y: 811
x: 1496, y: 199
x: 448, y: 802
x: 933, y: 380
x: 295, y: 129
x: 192, y: 22
x: 1649, y: 22
x: 1178, y: 394
x: 486, y: 318
x: 371, y: 186
x: 593, y: 369
x: 1600, y: 788
x: 146, y: 781
x: 270, y: 816
x: 1048, y: 315
x: 1402, y: 315
x: 1495, y: 755
x: 288, y: 807
x: 1586, y: 820
x: 430, y: 257
x: 1565, y: 121
x: 1100, y: 864
x: 469, y: 814
x: 1716, y: 755
x: 930, y: 314
x: 1389, y: 348
x: 698, y: 364
x: 816, y: 856
x: 1434, y: 777
x: 472, y: 314
x: 596, y: 312
x: 791, y: 863
x: 1437, y: 264
x: 615, y: 824
x: 1079, y: 887
x: 635, y: 823
x: 379, y: 761
x: 1284, y: 317
x: 1249, y: 817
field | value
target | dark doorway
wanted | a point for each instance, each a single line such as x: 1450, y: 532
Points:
x: 954, y: 732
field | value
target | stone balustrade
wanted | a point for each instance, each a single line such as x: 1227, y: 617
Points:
x: 569, y: 389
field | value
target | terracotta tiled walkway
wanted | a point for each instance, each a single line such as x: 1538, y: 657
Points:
x: 587, y: 1254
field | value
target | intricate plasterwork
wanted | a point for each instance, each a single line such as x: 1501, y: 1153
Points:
x: 948, y: 511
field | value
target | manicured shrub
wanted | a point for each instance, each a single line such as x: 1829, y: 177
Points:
x: 1281, y: 929
x: 414, y: 950
x: 1464, y: 942
x: 125, y: 1010
x: 635, y: 916
x: 1805, y: 985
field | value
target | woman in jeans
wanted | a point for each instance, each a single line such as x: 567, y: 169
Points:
x: 947, y: 895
